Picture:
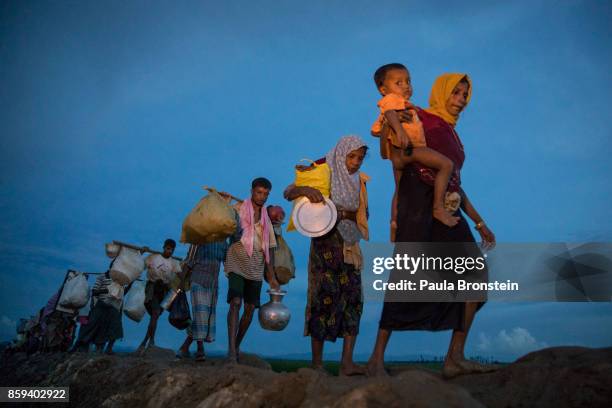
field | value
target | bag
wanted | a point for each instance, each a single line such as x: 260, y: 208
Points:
x: 127, y: 267
x: 115, y: 290
x: 316, y: 176
x: 83, y: 315
x: 212, y: 219
x: 112, y: 250
x: 184, y: 284
x: 75, y: 293
x: 179, y: 315
x: 134, y: 307
x: 284, y: 264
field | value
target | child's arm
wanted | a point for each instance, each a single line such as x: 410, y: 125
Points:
x: 393, y: 120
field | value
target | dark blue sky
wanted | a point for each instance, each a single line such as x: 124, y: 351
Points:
x: 115, y: 114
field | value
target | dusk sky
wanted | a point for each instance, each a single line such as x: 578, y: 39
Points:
x: 115, y: 114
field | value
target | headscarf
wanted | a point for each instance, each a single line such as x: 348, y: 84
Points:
x: 344, y: 186
x: 440, y: 92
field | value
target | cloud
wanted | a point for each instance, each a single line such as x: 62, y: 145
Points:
x: 516, y: 342
x: 6, y: 322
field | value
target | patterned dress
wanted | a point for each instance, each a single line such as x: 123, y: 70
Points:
x: 335, y: 302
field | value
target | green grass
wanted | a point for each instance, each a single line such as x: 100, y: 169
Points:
x: 290, y: 366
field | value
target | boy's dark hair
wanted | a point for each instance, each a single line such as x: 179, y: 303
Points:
x: 262, y: 182
x: 381, y: 73
x: 170, y: 242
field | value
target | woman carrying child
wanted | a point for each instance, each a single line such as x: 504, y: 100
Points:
x: 415, y: 223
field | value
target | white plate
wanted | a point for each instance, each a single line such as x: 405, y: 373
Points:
x: 314, y: 219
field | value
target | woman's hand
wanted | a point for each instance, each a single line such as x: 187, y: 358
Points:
x: 404, y: 140
x: 488, y: 238
x: 312, y: 194
x: 413, y: 126
x: 406, y: 114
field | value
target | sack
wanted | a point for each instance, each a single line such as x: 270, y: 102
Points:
x: 115, y: 290
x: 284, y: 264
x: 112, y: 250
x: 179, y: 315
x: 212, y: 219
x: 84, y: 311
x: 127, y: 267
x: 75, y: 293
x: 316, y: 176
x: 134, y: 307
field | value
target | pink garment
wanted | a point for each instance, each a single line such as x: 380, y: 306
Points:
x: 247, y: 222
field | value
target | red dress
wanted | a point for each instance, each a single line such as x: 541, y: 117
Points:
x: 415, y: 223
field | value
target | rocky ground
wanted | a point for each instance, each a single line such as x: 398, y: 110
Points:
x: 554, y: 377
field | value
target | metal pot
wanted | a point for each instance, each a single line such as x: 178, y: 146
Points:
x: 112, y: 250
x: 169, y: 298
x: 274, y: 315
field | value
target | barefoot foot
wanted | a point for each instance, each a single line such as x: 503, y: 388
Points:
x: 376, y: 370
x: 320, y: 369
x: 452, y: 369
x: 232, y: 359
x: 140, y: 351
x: 351, y: 369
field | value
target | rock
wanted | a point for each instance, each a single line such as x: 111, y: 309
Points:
x: 236, y: 395
x: 254, y: 361
x: 415, y: 388
x: 558, y: 376
x: 160, y: 353
x: 563, y: 377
